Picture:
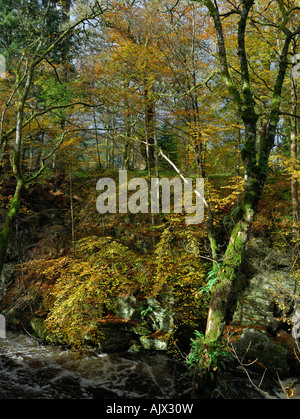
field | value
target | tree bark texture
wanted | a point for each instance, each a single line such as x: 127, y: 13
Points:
x: 255, y: 156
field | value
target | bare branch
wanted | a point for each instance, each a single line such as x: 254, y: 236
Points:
x: 243, y: 366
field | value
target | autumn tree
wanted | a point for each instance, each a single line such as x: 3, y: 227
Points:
x: 26, y: 56
x: 137, y: 66
x: 257, y: 145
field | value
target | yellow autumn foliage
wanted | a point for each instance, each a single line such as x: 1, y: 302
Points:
x: 86, y: 289
x: 87, y: 285
x: 180, y: 271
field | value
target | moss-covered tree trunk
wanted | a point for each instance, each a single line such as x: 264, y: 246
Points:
x: 9, y: 222
x: 255, y: 153
x: 24, y: 73
x: 15, y: 204
x: 223, y: 293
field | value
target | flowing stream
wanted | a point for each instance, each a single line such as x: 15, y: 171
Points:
x: 29, y: 370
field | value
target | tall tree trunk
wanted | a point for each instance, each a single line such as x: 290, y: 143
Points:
x: 223, y: 296
x: 294, y: 150
x: 129, y: 131
x: 255, y: 155
x: 148, y: 149
x: 97, y: 141
x: 15, y: 203
x: 198, y: 145
x: 9, y: 222
x: 24, y: 84
x: 65, y: 62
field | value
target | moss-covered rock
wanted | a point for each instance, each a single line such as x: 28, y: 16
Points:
x: 154, y: 343
x: 141, y: 330
x: 267, y: 298
x: 126, y: 307
x: 159, y: 316
x: 256, y: 346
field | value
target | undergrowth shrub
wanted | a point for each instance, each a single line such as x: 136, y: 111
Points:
x: 78, y: 291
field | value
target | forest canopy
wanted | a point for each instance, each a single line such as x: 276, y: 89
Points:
x: 190, y: 88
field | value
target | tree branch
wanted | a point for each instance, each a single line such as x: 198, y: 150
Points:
x: 44, y: 159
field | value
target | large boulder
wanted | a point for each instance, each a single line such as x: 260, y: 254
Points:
x: 154, y: 320
x: 270, y: 295
x: 268, y: 309
x: 255, y: 346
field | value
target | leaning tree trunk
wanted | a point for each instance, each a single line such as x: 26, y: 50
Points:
x: 223, y: 292
x: 15, y: 204
x: 24, y: 84
x: 222, y: 296
x: 9, y: 222
x: 255, y: 155
x: 256, y: 172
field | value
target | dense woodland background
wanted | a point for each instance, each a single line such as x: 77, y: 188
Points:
x: 94, y: 87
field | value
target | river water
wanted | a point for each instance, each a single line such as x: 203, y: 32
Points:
x: 29, y: 370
